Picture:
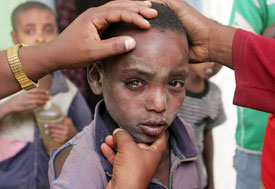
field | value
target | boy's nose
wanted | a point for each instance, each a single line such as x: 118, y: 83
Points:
x: 156, y: 101
x: 40, y: 39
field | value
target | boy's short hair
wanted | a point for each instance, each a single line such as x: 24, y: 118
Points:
x: 166, y: 20
x: 24, y: 7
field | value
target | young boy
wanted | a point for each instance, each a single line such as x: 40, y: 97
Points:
x: 203, y: 109
x: 23, y: 159
x: 143, y: 91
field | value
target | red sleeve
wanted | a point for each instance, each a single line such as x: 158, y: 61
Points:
x: 254, y: 65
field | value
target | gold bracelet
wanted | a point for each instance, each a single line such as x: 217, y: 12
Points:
x: 16, y: 68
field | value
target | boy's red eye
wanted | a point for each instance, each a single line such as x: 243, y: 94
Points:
x: 134, y: 84
x: 176, y: 84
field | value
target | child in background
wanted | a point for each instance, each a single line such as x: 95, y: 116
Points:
x: 143, y: 91
x: 23, y: 159
x: 203, y: 109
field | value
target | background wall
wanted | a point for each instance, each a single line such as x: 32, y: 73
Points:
x: 6, y: 7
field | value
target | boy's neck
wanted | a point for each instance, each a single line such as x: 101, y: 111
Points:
x: 109, y: 122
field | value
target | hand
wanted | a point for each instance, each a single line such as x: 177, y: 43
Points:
x: 134, y: 165
x: 209, y: 41
x: 81, y: 42
x: 27, y: 100
x: 61, y: 133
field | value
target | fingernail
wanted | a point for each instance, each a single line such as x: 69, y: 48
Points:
x: 46, y: 125
x: 46, y: 132
x: 117, y: 130
x: 148, y: 3
x: 130, y: 44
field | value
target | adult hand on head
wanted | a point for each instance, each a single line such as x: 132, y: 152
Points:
x: 79, y: 44
x: 209, y: 41
x: 134, y: 165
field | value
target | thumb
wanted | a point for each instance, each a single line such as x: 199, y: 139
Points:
x: 115, y: 46
x: 123, y: 139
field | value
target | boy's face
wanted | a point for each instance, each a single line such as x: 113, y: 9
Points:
x: 144, y: 89
x: 205, y: 70
x: 34, y: 26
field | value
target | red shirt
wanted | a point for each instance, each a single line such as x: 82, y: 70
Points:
x: 254, y: 65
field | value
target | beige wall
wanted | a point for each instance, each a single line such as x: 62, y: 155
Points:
x: 6, y: 7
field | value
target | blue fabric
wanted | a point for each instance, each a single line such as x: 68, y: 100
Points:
x: 248, y: 168
x: 29, y: 168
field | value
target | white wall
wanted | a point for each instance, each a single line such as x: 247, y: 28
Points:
x: 224, y: 135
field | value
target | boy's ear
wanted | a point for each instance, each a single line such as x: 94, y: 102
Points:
x: 95, y: 77
x: 14, y: 37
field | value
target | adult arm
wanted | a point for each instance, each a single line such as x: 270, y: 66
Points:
x: 254, y: 64
x: 209, y: 41
x: 79, y: 44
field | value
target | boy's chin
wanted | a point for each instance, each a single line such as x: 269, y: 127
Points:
x: 145, y: 140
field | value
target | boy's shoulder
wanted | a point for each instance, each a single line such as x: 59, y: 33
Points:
x: 72, y: 162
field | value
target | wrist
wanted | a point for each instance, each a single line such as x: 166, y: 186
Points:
x: 5, y: 109
x: 36, y: 62
x: 220, y: 44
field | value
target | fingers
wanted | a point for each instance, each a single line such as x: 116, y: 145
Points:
x: 61, y: 132
x: 115, y: 46
x: 126, y: 11
x: 109, y: 140
x: 108, y: 153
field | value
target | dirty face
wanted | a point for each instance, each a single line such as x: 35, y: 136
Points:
x: 205, y: 70
x: 144, y: 89
x: 34, y: 26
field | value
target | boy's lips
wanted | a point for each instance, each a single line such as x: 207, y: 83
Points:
x: 153, y: 128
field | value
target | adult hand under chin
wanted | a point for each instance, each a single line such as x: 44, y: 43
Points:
x: 134, y: 164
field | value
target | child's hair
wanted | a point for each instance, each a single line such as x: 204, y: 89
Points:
x: 24, y: 7
x: 166, y: 20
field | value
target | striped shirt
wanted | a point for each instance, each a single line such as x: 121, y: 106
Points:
x: 203, y: 111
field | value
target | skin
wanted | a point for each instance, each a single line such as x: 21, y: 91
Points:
x: 146, y: 87
x: 148, y: 83
x: 207, y: 38
x: 33, y: 27
x: 80, y: 43
x: 148, y: 158
x: 269, y: 31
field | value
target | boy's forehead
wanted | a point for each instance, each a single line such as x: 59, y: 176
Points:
x: 33, y: 11
x: 153, y: 48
